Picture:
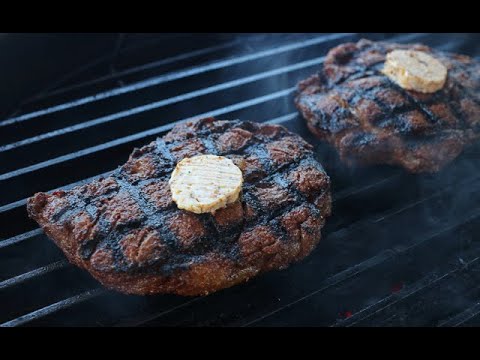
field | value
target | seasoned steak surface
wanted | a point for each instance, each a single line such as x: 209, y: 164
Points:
x: 371, y: 120
x: 129, y: 234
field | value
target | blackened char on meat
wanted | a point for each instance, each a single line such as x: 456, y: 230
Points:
x: 371, y: 120
x: 126, y: 231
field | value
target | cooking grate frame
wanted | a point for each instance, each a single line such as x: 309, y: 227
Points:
x: 366, y: 243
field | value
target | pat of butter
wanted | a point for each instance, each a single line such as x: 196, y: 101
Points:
x: 205, y: 183
x: 415, y: 70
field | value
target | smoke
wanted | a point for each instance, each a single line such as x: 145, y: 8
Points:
x: 383, y: 212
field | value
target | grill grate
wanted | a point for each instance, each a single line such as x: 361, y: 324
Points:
x: 398, y: 250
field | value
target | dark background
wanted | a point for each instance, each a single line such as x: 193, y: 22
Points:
x: 32, y: 64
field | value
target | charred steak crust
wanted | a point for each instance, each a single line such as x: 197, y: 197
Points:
x: 126, y: 231
x: 371, y: 120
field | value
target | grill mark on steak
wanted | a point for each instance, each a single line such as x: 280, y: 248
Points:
x: 454, y: 105
x: 152, y: 219
x: 162, y: 150
x: 471, y: 76
x: 418, y: 105
x: 441, y: 124
x: 109, y: 236
x: 158, y: 219
x: 373, y: 69
x: 208, y: 143
x: 459, y: 94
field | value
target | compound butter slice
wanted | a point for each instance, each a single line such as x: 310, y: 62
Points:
x: 205, y: 183
x: 415, y: 70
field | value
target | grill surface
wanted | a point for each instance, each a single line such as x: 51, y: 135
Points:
x: 398, y: 250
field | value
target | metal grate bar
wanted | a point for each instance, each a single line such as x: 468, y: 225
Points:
x: 337, y: 196
x: 36, y: 232
x: 417, y: 286
x: 41, y: 271
x: 358, y: 268
x: 354, y: 190
x: 428, y: 281
x: 87, y: 295
x: 16, y: 204
x: 33, y: 274
x: 20, y: 238
x: 381, y: 258
x: 174, y: 76
x: 463, y: 317
x: 23, y: 202
x: 361, y: 223
x: 335, y: 279
x: 154, y: 64
x: 422, y: 200
x: 151, y: 317
x: 148, y: 66
x: 30, y: 234
x: 284, y: 118
x: 162, y: 103
x: 143, y: 134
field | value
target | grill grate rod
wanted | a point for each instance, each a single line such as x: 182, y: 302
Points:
x: 87, y: 295
x: 19, y: 238
x: 428, y: 281
x: 151, y: 65
x: 339, y: 196
x: 354, y: 190
x: 23, y: 202
x: 378, y: 259
x: 284, y: 118
x: 41, y: 271
x: 278, y: 120
x: 175, y: 76
x: 37, y: 232
x: 143, y: 134
x: 43, y: 164
x: 463, y: 317
x: 333, y: 280
x: 33, y: 274
x: 150, y: 317
x: 357, y: 224
x: 417, y: 286
x: 129, y: 71
x: 162, y: 103
x: 387, y: 215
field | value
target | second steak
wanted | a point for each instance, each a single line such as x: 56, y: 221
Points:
x: 371, y: 120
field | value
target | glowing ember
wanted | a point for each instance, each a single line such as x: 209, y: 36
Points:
x: 397, y: 287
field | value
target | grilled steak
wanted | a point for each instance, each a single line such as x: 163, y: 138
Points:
x: 129, y: 234
x: 369, y: 119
